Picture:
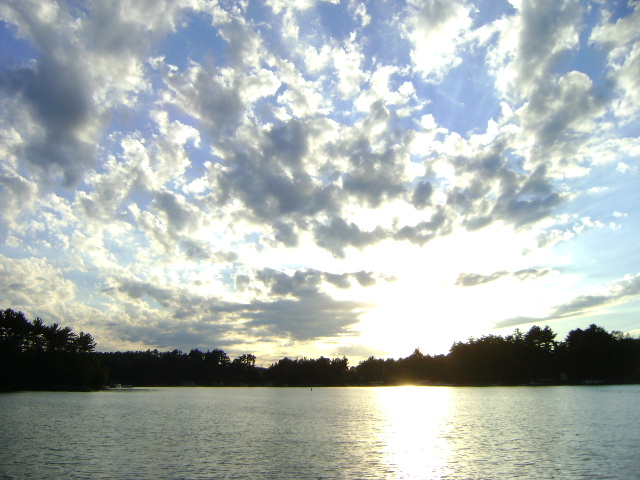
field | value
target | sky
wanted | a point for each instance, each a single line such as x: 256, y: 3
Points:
x: 305, y: 177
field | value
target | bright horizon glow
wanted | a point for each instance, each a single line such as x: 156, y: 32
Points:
x: 319, y: 178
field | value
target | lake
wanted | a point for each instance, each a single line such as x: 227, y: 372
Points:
x: 324, y: 433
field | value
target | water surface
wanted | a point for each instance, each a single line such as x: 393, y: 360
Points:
x: 330, y: 433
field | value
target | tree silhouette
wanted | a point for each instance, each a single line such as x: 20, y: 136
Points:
x: 590, y: 354
x: 37, y: 356
x: 34, y: 355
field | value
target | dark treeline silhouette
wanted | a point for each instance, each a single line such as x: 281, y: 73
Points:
x: 36, y: 356
x: 175, y: 368
x: 308, y: 372
x: 585, y: 356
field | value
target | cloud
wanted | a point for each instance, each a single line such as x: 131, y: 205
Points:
x: 622, y: 42
x: 613, y: 293
x: 300, y: 284
x: 17, y: 195
x: 216, y: 97
x: 555, y: 110
x: 473, y: 279
x: 244, y: 44
x: 270, y: 173
x: 86, y: 65
x: 440, y: 223
x: 337, y: 234
x: 532, y: 201
x: 294, y: 307
x: 167, y: 334
x: 421, y: 196
x: 200, y: 159
x: 532, y: 42
x: 177, y: 213
x: 489, y: 187
x: 306, y: 283
x: 138, y: 166
x: 376, y: 170
x: 313, y: 318
x: 559, y: 118
x: 565, y: 229
x: 136, y: 289
x: 34, y: 285
x: 437, y: 22
x: 347, y: 60
x: 62, y: 113
x: 366, y: 279
x: 201, y: 250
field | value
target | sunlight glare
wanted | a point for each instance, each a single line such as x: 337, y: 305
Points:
x: 415, y: 432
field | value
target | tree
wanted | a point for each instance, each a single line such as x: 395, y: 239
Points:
x: 217, y: 357
x: 339, y: 371
x: 38, y: 338
x: 85, y: 343
x: 37, y: 356
x: 246, y: 359
x: 15, y: 330
x: 243, y: 370
x: 541, y: 338
x: 375, y: 370
x: 590, y: 354
x: 60, y: 338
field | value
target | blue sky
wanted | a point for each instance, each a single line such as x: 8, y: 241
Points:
x: 291, y: 178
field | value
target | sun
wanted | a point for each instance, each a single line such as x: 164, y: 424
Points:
x: 424, y: 308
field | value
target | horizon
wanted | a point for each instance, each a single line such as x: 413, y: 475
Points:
x: 335, y: 177
x: 263, y: 365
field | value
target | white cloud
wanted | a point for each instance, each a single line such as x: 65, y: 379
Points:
x: 347, y: 60
x: 624, y: 168
x: 566, y: 229
x: 612, y: 293
x: 34, y: 285
x: 437, y: 29
x: 530, y: 43
x: 87, y: 64
x: 359, y: 9
x: 559, y: 120
x: 622, y: 41
x: 380, y: 90
x: 290, y: 161
x: 301, y: 97
x: 621, y: 32
x: 141, y: 167
x: 18, y: 195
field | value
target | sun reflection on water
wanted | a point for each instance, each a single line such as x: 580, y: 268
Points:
x: 415, y: 430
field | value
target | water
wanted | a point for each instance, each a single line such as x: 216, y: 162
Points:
x: 328, y: 433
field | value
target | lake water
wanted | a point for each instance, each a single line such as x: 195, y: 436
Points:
x: 328, y: 433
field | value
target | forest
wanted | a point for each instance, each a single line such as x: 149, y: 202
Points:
x: 36, y: 356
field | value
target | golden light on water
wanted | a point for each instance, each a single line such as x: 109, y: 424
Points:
x: 415, y: 430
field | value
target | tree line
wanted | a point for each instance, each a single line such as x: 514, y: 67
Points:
x: 35, y: 356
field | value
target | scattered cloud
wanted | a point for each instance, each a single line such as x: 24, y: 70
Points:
x: 473, y: 279
x: 195, y: 173
x: 613, y: 293
x: 27, y: 278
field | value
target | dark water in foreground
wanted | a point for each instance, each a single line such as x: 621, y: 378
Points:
x: 330, y: 433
